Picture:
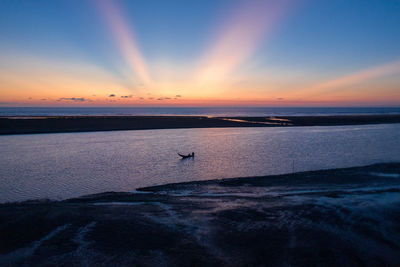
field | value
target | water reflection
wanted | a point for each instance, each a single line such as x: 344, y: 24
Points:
x: 73, y: 164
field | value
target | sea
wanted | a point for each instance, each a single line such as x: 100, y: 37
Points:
x: 195, y: 111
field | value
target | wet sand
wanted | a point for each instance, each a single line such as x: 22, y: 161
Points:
x: 341, y: 217
x: 58, y: 124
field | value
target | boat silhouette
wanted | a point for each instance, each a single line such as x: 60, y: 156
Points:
x: 186, y: 156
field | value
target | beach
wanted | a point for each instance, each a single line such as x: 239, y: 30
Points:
x: 326, y: 216
x: 59, y: 124
x: 331, y: 217
x: 199, y: 133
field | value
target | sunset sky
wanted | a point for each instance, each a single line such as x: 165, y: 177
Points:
x: 200, y: 53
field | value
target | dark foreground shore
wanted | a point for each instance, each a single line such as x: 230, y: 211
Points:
x: 25, y: 125
x: 342, y: 217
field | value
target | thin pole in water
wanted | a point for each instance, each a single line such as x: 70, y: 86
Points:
x: 293, y: 166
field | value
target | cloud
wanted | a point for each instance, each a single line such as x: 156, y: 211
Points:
x: 160, y: 98
x: 75, y: 99
x: 43, y: 99
x: 280, y: 98
x: 178, y: 96
x: 126, y: 96
x: 112, y: 95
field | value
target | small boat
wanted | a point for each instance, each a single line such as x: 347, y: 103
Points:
x: 187, y: 156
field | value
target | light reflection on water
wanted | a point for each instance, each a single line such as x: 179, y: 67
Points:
x: 60, y: 166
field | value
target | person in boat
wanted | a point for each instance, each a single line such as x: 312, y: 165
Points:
x: 187, y: 156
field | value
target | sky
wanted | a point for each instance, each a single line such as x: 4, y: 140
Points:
x: 199, y: 53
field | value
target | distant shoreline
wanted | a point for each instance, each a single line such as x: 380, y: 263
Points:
x: 63, y: 124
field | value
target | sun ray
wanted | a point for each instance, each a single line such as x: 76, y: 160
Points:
x: 245, y: 30
x: 342, y: 83
x: 125, y: 39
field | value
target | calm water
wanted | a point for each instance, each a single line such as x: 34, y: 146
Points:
x: 211, y: 111
x: 60, y: 166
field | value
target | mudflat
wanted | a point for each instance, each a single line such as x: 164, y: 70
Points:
x: 57, y: 124
x: 330, y: 217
